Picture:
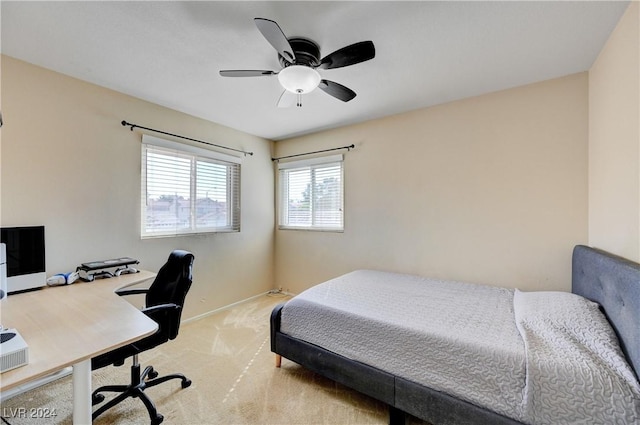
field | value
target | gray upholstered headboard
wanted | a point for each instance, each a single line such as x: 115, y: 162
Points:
x: 614, y: 283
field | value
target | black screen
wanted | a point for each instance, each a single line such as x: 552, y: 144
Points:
x: 25, y: 249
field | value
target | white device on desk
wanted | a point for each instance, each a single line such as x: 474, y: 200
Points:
x: 14, y: 352
x: 63, y: 279
x: 101, y: 269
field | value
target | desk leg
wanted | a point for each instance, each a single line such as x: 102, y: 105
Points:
x: 82, y: 393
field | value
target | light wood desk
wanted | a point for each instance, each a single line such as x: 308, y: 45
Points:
x: 68, y: 325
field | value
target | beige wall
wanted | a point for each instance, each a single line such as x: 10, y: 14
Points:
x: 67, y: 163
x: 494, y: 189
x: 614, y: 141
x: 491, y: 189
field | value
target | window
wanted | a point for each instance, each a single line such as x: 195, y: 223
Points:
x: 187, y: 190
x: 311, y: 194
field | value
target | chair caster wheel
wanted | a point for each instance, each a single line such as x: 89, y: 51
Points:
x: 157, y: 420
x: 97, y: 398
x: 186, y: 383
x: 151, y: 373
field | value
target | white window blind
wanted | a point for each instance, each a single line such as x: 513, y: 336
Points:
x: 311, y: 194
x: 187, y: 191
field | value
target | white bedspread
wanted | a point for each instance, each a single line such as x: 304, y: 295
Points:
x: 576, y: 372
x: 535, y: 364
x: 454, y: 337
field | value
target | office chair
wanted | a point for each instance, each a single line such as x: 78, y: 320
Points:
x: 163, y: 303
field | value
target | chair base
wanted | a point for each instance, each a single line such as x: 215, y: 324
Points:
x: 139, y: 382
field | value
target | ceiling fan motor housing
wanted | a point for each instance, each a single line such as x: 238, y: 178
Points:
x: 307, y: 52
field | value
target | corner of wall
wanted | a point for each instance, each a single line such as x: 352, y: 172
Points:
x: 614, y: 140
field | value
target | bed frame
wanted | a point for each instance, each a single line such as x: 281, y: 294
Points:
x: 611, y: 281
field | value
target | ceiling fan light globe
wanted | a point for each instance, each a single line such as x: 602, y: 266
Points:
x: 299, y: 79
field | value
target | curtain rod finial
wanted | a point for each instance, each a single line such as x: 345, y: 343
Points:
x: 124, y: 123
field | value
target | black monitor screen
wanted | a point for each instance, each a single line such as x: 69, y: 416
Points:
x: 25, y: 249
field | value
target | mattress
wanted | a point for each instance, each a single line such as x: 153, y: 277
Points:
x: 454, y: 337
x: 539, y: 358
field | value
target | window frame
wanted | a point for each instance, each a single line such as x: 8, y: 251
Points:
x: 312, y: 164
x: 195, y: 156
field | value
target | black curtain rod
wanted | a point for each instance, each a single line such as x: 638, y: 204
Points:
x: 124, y: 123
x: 311, y: 153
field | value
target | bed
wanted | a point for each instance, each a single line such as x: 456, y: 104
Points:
x: 484, y: 360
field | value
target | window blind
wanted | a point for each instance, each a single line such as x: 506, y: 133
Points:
x: 186, y: 193
x: 311, y: 194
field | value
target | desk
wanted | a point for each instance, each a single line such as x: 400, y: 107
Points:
x: 68, y: 325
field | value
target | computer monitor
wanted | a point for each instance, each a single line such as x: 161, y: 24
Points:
x: 25, y: 257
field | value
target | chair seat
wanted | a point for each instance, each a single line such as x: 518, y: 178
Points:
x: 119, y: 355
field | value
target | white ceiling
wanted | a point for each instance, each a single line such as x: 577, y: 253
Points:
x: 427, y: 52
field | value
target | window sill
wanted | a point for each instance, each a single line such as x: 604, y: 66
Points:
x: 195, y: 233
x: 313, y: 229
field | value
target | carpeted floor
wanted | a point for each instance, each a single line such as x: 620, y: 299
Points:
x: 235, y: 381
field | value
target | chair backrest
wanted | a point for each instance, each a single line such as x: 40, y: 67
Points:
x: 170, y: 287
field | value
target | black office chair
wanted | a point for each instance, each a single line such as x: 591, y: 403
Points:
x: 163, y: 303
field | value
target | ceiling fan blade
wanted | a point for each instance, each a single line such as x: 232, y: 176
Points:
x: 336, y: 90
x: 350, y: 55
x: 274, y: 35
x: 245, y: 73
x: 286, y: 100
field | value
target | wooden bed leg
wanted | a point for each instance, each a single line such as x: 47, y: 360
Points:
x: 278, y: 360
x: 397, y: 416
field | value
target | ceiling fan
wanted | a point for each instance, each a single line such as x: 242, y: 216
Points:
x: 300, y: 57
